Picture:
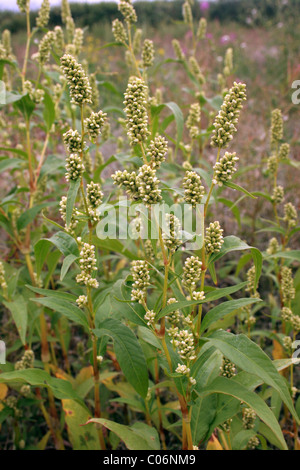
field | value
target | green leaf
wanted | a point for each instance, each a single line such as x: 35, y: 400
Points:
x: 41, y: 250
x: 81, y: 437
x: 25, y: 105
x: 66, y: 265
x: 242, y: 438
x: 229, y: 387
x: 121, y: 303
x: 233, y: 243
x: 294, y: 255
x: 231, y: 185
x: 220, y: 311
x: 178, y: 119
x: 40, y: 378
x: 65, y: 243
x: 134, y: 437
x: 10, y: 163
x: 49, y: 111
x: 53, y: 293
x: 248, y: 356
x: 214, y: 295
x: 29, y: 215
x: 65, y: 308
x: 18, y: 309
x: 129, y: 353
x: 204, y: 370
x: 71, y: 197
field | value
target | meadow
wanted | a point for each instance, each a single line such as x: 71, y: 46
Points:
x: 149, y: 273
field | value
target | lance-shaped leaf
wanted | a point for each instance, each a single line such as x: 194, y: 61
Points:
x: 129, y: 353
x: 248, y: 356
x: 229, y: 387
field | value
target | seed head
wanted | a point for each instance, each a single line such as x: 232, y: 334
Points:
x: 191, y: 272
x: 226, y: 120
x: 128, y: 12
x: 290, y: 214
x: 147, y: 183
x: 80, y: 89
x: 214, y: 238
x: 148, y: 53
x: 157, y: 151
x: 276, y: 126
x: 43, y: 15
x: 87, y: 264
x: 201, y: 31
x: 95, y: 123
x: 74, y: 167
x: 287, y: 284
x: 72, y: 140
x: 119, y: 32
x: 136, y: 97
x: 225, y: 168
x: 193, y: 190
x: 278, y: 195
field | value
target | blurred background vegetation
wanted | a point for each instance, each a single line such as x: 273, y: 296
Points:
x: 158, y: 13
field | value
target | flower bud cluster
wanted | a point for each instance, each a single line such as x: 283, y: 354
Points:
x: 193, y: 120
x: 43, y: 15
x: 80, y: 88
x: 249, y: 416
x: 171, y: 235
x: 119, y: 32
x: 87, y: 264
x: 226, y: 120
x: 94, y: 124
x: 213, y: 238
x: 63, y: 213
x: 201, y: 31
x: 193, y: 190
x: 191, y: 272
x: 273, y: 246
x: 150, y: 318
x: 178, y: 50
x: 278, y: 195
x: 184, y: 342
x: 141, y: 280
x: 72, y: 140
x: 136, y: 97
x: 74, y: 167
x: 148, y: 53
x: 44, y: 49
x: 3, y: 283
x: 195, y: 70
x: 276, y: 126
x: 287, y: 284
x: 284, y: 151
x: 227, y: 368
x: 128, y: 181
x: 82, y: 301
x: 157, y: 151
x: 225, y: 168
x: 128, y: 12
x: 147, y: 183
x: 27, y: 361
x: 290, y: 214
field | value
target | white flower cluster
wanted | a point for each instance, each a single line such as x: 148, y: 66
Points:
x: 184, y: 342
x: 87, y: 263
x: 150, y: 317
x: 140, y: 273
x: 74, y: 167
